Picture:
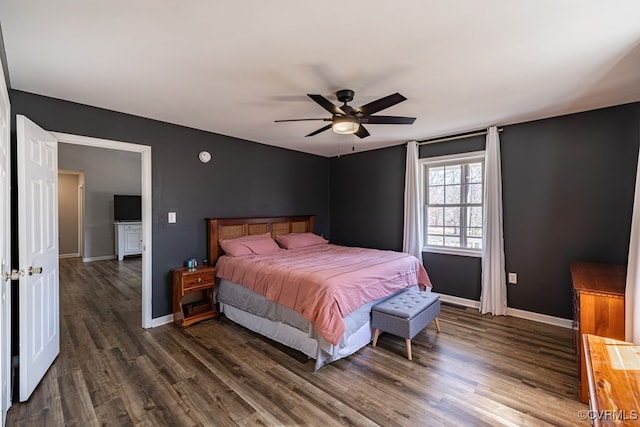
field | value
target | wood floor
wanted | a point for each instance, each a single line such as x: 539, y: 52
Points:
x: 480, y: 370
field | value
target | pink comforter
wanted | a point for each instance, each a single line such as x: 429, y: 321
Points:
x: 325, y: 283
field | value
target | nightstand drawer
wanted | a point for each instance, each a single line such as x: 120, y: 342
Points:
x: 197, y: 280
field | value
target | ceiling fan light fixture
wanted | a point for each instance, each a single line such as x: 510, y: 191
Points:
x: 345, y: 125
x: 346, y: 120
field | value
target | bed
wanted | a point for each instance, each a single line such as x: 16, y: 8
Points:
x: 315, y: 298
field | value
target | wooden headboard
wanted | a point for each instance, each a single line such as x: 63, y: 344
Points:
x: 230, y: 228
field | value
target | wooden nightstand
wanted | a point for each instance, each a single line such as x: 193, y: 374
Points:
x: 193, y: 295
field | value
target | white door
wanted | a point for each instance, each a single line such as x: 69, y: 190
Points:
x: 5, y: 252
x: 39, y: 316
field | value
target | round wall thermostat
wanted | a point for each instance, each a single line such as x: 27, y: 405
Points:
x: 204, y: 156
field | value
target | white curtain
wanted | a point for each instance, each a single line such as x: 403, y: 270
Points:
x: 412, y: 239
x: 632, y: 293
x: 493, y: 298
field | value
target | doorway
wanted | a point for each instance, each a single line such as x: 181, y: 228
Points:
x: 70, y: 213
x: 37, y: 317
x: 145, y: 159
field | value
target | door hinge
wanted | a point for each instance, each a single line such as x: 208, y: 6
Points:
x: 14, y: 275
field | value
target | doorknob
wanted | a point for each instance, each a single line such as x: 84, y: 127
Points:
x: 35, y: 270
x: 14, y: 275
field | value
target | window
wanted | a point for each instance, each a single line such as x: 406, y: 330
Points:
x: 453, y: 196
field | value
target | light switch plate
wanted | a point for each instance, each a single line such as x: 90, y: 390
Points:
x: 513, y: 278
x: 172, y: 217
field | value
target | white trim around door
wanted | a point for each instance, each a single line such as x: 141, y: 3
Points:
x: 145, y: 152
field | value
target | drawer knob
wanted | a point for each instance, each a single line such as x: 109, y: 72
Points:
x: 199, y: 280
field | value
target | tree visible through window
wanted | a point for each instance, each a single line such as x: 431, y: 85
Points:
x: 453, y: 194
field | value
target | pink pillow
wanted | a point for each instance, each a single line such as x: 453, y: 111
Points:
x: 300, y: 240
x: 256, y: 244
x: 262, y: 246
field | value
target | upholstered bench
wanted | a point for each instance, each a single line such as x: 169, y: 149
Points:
x: 405, y: 315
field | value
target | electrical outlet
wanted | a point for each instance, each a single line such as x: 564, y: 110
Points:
x: 513, y: 278
x: 172, y: 218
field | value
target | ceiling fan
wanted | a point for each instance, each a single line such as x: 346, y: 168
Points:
x: 348, y: 120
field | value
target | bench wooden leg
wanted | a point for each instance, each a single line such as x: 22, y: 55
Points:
x: 408, y: 341
x: 437, y: 324
x: 376, y: 334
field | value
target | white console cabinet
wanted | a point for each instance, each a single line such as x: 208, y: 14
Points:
x: 128, y: 239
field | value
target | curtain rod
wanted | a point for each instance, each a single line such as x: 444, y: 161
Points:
x: 454, y: 137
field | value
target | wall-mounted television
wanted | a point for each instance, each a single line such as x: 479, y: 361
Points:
x: 127, y: 208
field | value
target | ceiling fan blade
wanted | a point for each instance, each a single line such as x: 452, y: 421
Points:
x: 300, y: 120
x: 320, y: 130
x: 380, y: 104
x: 327, y: 105
x: 362, y: 132
x: 388, y: 120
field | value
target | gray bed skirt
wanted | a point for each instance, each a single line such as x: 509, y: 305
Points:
x: 281, y: 324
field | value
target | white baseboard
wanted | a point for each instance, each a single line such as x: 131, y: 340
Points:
x: 76, y: 255
x: 529, y: 315
x: 163, y: 320
x: 464, y: 302
x: 98, y: 258
x: 542, y: 318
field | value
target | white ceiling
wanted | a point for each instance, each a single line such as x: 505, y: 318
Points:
x: 233, y: 67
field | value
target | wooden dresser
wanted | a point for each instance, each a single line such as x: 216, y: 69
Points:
x: 613, y: 370
x: 598, y: 307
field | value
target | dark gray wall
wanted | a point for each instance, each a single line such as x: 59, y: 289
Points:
x: 568, y: 185
x: 365, y: 200
x: 568, y: 193
x: 243, y: 178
